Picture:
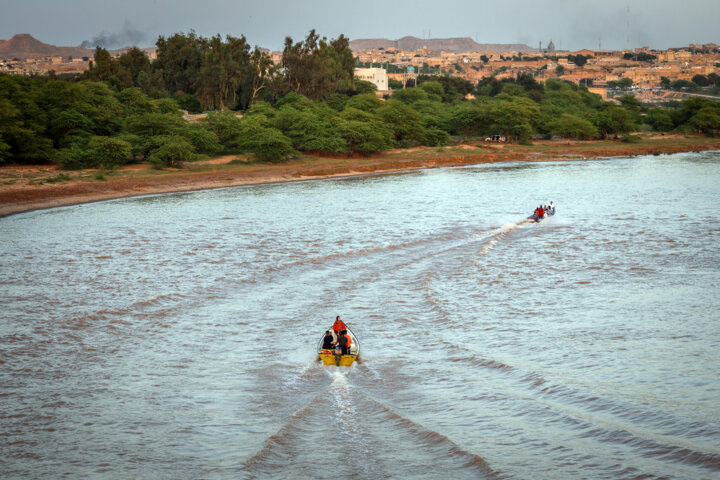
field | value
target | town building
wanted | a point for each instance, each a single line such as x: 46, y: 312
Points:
x: 376, y: 76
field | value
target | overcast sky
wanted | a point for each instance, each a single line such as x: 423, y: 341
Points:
x: 571, y: 24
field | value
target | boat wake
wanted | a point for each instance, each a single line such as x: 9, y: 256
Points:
x: 368, y: 437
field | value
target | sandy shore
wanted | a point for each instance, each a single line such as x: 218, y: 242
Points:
x: 25, y: 188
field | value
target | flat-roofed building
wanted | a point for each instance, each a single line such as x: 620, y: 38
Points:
x: 376, y: 76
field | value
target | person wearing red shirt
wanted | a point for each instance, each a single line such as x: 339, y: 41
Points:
x: 338, y: 325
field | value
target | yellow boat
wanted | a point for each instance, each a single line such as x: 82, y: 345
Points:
x: 334, y: 357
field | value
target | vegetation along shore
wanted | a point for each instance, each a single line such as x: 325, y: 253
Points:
x: 122, y: 128
x: 30, y: 187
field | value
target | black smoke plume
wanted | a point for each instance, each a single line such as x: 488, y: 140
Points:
x: 126, y: 37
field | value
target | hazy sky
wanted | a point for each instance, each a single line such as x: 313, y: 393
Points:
x: 571, y: 24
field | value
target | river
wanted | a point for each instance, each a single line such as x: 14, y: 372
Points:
x: 174, y: 336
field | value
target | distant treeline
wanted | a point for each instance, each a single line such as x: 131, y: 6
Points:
x: 129, y: 109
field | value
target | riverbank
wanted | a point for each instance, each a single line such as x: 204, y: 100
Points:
x: 25, y: 188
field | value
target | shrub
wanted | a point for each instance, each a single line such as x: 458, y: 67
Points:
x: 62, y: 177
x: 172, y: 152
x: 72, y: 158
x: 167, y: 105
x: 367, y: 102
x: 149, y: 124
x: 226, y: 126
x: 203, y: 140
x: 108, y: 152
x: 267, y: 143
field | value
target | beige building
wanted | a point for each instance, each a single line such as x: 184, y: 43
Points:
x: 376, y: 76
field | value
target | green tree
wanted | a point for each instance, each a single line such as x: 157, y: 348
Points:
x: 152, y: 124
x: 579, y: 60
x: 514, y: 90
x: 362, y: 87
x: 367, y: 102
x: 403, y: 121
x: 513, y: 117
x: 411, y: 95
x: 179, y: 61
x: 106, y: 152
x: 570, y: 126
x: 68, y: 126
x: 266, y: 143
x: 470, y: 118
x: 433, y: 87
x: 660, y: 120
x: 188, y: 102
x: 684, y: 85
x: 488, y: 87
x: 316, y: 68
x: 563, y: 97
x: 22, y: 121
x: 625, y: 83
x: 337, y: 101
x: 309, y: 131
x: 71, y: 158
x: 631, y: 103
x: 225, y: 67
x: 394, y: 84
x: 434, y: 114
x: 645, y: 57
x: 166, y: 105
x: 134, y: 101
x: 615, y: 120
x: 364, y: 132
x: 261, y: 75
x: 700, y: 80
x: 296, y: 101
x: 707, y: 119
x: 203, y: 140
x: 134, y: 62
x: 560, y: 70
x: 227, y: 127
x: 172, y: 152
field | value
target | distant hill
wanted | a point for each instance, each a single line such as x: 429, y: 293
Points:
x: 465, y: 44
x: 23, y: 46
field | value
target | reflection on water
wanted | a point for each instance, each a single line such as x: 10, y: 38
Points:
x: 173, y: 336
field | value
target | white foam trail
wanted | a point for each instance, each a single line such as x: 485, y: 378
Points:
x: 494, y: 236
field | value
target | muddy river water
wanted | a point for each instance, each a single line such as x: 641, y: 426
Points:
x: 174, y: 336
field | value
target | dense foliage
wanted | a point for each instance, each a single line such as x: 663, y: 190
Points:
x: 128, y: 109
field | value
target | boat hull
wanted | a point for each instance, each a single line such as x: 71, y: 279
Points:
x: 328, y: 358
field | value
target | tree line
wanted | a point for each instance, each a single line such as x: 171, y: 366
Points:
x: 219, y: 74
x: 129, y: 109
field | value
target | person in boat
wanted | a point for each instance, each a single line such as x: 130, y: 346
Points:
x: 541, y: 212
x: 551, y: 207
x: 338, y: 325
x: 344, y: 341
x: 328, y: 341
